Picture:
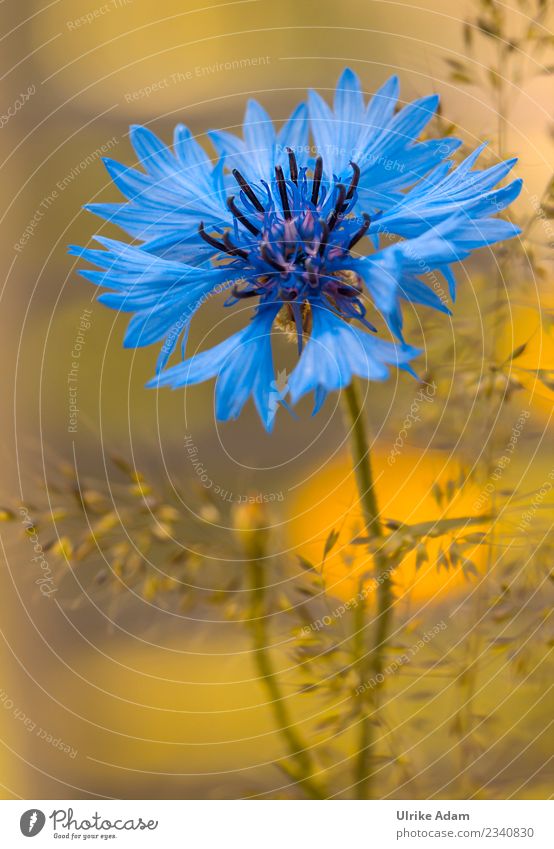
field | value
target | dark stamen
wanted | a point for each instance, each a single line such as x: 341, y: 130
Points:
x: 215, y: 243
x: 361, y: 232
x: 245, y: 293
x: 280, y: 177
x: 318, y: 171
x: 354, y: 181
x: 339, y: 206
x: 232, y: 249
x: 240, y: 217
x: 324, y: 236
x: 247, y: 189
x: 293, y: 166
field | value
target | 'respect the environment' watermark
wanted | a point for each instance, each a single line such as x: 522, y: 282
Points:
x: 61, y: 185
x: 195, y: 73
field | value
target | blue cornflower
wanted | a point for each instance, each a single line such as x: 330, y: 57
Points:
x: 279, y: 222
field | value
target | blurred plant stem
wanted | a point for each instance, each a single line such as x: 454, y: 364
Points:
x: 300, y: 756
x: 369, y: 664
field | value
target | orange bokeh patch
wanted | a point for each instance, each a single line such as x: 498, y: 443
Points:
x: 328, y: 501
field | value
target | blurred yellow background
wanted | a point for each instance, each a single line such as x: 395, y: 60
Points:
x: 160, y: 705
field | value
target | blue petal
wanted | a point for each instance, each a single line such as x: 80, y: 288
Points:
x: 294, y: 134
x: 175, y: 193
x: 336, y: 351
x: 324, y: 131
x: 152, y: 152
x: 261, y: 150
x: 446, y: 192
x: 243, y: 365
x: 230, y: 148
x: 187, y: 150
x: 161, y: 292
x: 382, y: 143
x: 380, y: 108
x: 349, y: 110
x: 395, y: 271
x: 259, y: 138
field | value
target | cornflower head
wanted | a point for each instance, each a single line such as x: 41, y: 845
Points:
x: 321, y: 228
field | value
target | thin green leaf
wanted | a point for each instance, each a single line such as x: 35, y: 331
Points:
x: 305, y: 564
x: 330, y: 543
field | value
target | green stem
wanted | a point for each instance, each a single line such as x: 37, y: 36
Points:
x: 368, y: 664
x: 299, y: 754
x: 362, y: 460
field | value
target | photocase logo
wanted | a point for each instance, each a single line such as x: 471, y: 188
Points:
x: 32, y: 822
